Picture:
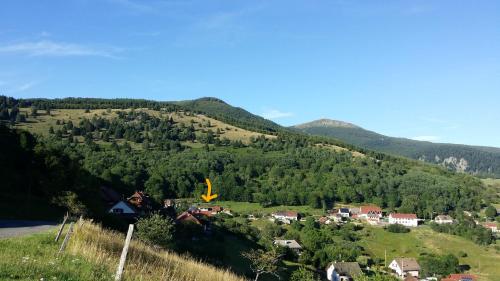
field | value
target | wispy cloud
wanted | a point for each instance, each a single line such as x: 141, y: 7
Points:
x: 275, y: 114
x: 58, y: 49
x: 426, y: 138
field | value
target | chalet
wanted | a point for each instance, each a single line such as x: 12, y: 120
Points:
x: 344, y: 212
x: 141, y: 201
x: 491, y: 225
x: 404, y: 219
x: 405, y: 267
x: 291, y: 244
x: 443, y: 219
x: 370, y: 212
x: 286, y: 216
x: 123, y: 209
x: 460, y: 277
x: 343, y: 271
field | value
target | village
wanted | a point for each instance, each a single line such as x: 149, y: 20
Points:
x: 404, y: 268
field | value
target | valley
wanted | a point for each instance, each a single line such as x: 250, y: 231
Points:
x: 65, y: 154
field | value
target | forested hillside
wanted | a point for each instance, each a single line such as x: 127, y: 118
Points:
x: 482, y: 161
x: 137, y: 150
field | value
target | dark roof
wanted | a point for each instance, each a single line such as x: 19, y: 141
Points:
x: 344, y: 210
x: 347, y: 268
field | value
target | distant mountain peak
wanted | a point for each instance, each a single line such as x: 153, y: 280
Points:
x: 212, y: 99
x: 326, y: 123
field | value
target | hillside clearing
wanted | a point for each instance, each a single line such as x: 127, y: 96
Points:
x: 41, y: 123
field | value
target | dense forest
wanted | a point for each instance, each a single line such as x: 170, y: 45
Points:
x: 289, y: 169
x: 481, y: 161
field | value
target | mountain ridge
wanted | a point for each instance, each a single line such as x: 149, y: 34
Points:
x: 477, y: 160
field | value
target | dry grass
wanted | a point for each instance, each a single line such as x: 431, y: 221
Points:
x: 41, y: 124
x: 340, y: 149
x: 143, y: 262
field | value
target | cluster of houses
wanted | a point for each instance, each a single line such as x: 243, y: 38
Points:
x: 140, y: 204
x: 371, y: 214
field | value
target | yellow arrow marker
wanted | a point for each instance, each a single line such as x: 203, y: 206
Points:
x: 209, y: 197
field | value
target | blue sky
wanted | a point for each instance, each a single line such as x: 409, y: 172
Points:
x: 427, y: 70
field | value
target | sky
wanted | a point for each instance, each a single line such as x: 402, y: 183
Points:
x: 426, y: 70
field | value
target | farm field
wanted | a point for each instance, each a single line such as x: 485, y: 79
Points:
x: 482, y: 260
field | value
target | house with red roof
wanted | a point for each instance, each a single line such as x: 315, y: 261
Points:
x: 410, y: 220
x: 371, y: 213
x: 286, y: 216
x: 460, y: 277
x: 491, y: 225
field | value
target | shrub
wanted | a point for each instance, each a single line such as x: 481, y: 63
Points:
x: 397, y: 228
x: 156, y: 230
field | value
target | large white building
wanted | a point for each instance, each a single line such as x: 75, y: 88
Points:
x: 410, y: 220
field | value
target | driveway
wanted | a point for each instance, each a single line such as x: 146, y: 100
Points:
x: 13, y: 228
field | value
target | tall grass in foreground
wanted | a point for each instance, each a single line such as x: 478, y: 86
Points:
x: 143, y: 262
x: 35, y: 257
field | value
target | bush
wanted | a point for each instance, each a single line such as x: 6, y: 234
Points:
x: 155, y: 230
x: 462, y: 254
x: 397, y: 228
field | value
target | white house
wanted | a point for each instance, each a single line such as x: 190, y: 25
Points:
x: 404, y: 219
x: 286, y: 216
x: 122, y: 208
x: 443, y: 219
x: 405, y: 267
x: 344, y: 212
x: 343, y: 271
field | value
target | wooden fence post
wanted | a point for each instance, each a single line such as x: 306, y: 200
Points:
x: 66, y: 239
x: 62, y: 227
x: 119, y: 271
x: 81, y: 221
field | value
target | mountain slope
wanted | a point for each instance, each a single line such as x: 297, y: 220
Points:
x: 484, y: 161
x: 237, y: 116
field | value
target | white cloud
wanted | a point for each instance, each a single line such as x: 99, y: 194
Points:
x: 275, y: 114
x: 57, y: 49
x: 426, y: 138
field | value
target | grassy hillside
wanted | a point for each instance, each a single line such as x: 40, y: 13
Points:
x: 484, y: 161
x: 93, y: 254
x: 41, y: 123
x: 483, y: 261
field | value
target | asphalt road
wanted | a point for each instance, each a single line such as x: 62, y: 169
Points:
x: 13, y: 228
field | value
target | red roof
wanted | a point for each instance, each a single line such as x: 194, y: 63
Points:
x: 404, y: 216
x: 490, y: 224
x: 287, y: 213
x: 460, y: 277
x: 186, y: 216
x: 369, y: 209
